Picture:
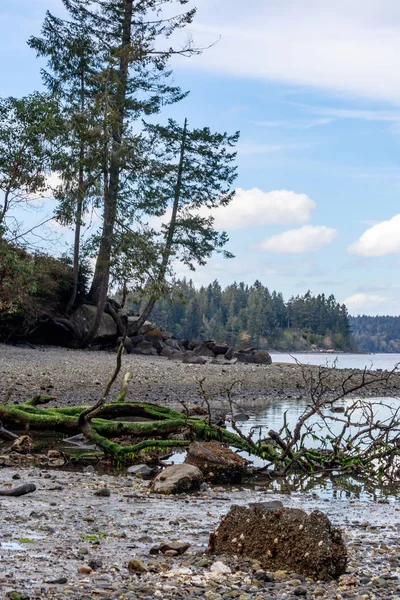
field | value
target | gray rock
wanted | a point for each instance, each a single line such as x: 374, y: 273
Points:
x: 83, y: 319
x: 142, y: 471
x: 261, y: 357
x: 177, y: 479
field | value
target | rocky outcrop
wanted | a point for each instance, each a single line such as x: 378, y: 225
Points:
x: 282, y: 538
x: 83, y: 319
x: 218, y: 463
x: 252, y: 355
x: 178, y: 479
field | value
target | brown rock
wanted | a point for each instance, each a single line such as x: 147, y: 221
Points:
x: 177, y: 547
x: 261, y: 357
x: 218, y: 463
x: 85, y: 570
x: 136, y: 566
x: 283, y: 538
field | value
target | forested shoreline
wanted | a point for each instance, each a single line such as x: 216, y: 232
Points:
x: 253, y: 315
x: 376, y: 334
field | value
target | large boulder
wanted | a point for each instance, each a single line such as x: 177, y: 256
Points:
x: 261, y: 357
x: 83, y: 319
x: 178, y: 479
x: 132, y: 326
x: 282, y: 538
x: 218, y: 463
x: 203, y: 350
x: 145, y: 348
x: 243, y: 357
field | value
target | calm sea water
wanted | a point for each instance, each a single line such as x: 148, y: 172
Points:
x: 342, y: 361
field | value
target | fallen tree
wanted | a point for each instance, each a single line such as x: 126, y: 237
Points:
x: 337, y: 432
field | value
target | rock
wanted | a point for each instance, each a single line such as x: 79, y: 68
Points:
x: 219, y: 348
x: 178, y: 547
x: 137, y: 566
x: 300, y: 590
x: 177, y: 479
x: 219, y: 568
x: 95, y: 564
x: 128, y: 344
x: 85, y: 570
x: 229, y: 353
x: 168, y: 351
x: 194, y: 360
x: 142, y: 471
x: 243, y: 357
x: 58, y: 581
x: 261, y: 357
x: 284, y: 539
x: 203, y: 350
x: 103, y: 492
x: 154, y: 335
x: 173, y: 344
x: 218, y: 463
x: 241, y: 416
x: 83, y: 319
x: 145, y: 348
x: 176, y: 356
x: 136, y: 339
x: 132, y: 327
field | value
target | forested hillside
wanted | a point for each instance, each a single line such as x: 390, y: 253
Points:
x: 376, y: 334
x: 253, y: 315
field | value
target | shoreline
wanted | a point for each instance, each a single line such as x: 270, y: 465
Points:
x: 50, y: 534
x: 79, y: 376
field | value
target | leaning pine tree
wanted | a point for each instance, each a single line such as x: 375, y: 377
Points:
x: 189, y: 173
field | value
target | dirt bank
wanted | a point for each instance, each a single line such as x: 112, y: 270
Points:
x: 77, y: 376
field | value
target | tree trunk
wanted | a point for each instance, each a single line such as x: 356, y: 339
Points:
x: 170, y: 235
x: 78, y: 212
x: 99, y: 288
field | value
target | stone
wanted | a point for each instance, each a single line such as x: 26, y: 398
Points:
x: 229, y: 353
x: 243, y: 357
x: 173, y: 344
x: 219, y: 348
x: 154, y: 335
x: 143, y: 471
x: 203, y: 350
x: 261, y: 357
x: 283, y: 539
x: 177, y: 479
x: 168, y: 351
x: 219, y: 464
x: 178, y: 547
x: 137, y: 566
x: 194, y: 360
x: 83, y: 319
x: 177, y: 356
x: 103, y: 492
x: 145, y: 348
x: 85, y: 570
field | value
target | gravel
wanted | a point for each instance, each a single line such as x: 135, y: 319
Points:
x: 79, y: 376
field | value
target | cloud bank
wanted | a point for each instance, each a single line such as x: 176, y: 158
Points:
x: 255, y: 208
x: 380, y: 240
x: 295, y: 241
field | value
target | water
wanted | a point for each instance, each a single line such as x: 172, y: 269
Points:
x: 342, y: 361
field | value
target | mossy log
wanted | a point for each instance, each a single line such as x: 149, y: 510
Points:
x: 149, y: 434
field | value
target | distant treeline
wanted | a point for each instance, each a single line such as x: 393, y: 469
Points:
x: 376, y: 334
x: 243, y: 314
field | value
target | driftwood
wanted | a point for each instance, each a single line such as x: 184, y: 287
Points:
x: 21, y: 490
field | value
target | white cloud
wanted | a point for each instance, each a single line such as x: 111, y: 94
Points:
x: 371, y: 304
x: 255, y: 208
x: 306, y: 239
x: 380, y: 240
x: 350, y: 46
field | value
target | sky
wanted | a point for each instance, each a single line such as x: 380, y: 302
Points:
x: 314, y: 88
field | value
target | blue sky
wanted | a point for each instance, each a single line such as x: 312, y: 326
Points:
x: 314, y: 88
